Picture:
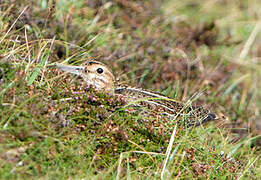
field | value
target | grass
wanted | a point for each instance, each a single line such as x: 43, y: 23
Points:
x: 208, y: 49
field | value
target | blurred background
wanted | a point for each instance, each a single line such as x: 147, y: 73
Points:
x: 179, y: 48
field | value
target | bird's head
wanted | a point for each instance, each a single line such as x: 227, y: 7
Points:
x: 94, y: 73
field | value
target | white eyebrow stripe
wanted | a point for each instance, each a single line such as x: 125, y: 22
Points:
x: 144, y: 92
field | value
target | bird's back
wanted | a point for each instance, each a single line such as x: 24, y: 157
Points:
x: 154, y: 101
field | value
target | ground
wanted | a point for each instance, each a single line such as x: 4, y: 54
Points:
x: 53, y: 127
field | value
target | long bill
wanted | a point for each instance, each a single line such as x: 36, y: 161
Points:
x: 70, y: 69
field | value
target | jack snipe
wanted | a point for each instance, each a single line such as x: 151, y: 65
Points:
x: 101, y: 78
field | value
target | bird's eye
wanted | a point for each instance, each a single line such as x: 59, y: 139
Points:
x: 99, y: 70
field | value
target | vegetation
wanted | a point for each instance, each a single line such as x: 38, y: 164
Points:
x: 53, y: 127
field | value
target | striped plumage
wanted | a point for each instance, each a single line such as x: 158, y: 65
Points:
x: 155, y: 101
x: 100, y: 77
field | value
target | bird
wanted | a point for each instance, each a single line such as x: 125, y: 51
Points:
x: 101, y: 78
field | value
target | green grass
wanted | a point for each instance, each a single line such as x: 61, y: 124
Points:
x: 178, y: 48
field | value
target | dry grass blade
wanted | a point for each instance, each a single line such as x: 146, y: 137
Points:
x: 13, y: 24
x: 168, y: 152
x: 119, y: 167
x: 249, y: 43
x: 142, y: 149
x: 249, y: 165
